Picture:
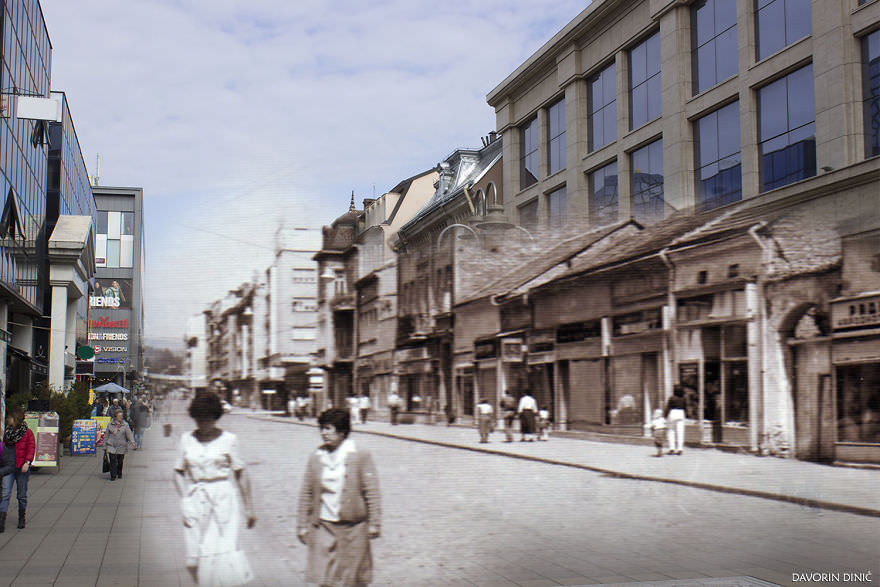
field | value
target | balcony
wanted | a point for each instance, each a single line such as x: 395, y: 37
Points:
x: 414, y: 328
x: 343, y: 302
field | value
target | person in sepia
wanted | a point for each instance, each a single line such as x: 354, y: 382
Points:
x: 528, y: 411
x: 339, y: 507
x: 211, y: 480
x: 485, y: 419
x: 675, y: 416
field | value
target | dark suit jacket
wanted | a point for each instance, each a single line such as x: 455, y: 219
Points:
x: 359, y: 500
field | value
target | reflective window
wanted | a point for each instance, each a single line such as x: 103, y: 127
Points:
x: 714, y: 42
x: 102, y: 222
x: 719, y: 174
x: 871, y: 81
x: 128, y: 223
x: 644, y: 78
x: 780, y: 23
x: 528, y: 215
x: 603, y: 195
x: 556, y: 137
x: 603, y: 107
x: 113, y: 253
x: 787, y: 129
x: 529, y: 159
x: 646, y: 182
x: 556, y: 208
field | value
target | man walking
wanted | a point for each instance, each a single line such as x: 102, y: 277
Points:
x: 484, y: 420
x: 508, y: 412
x: 394, y: 406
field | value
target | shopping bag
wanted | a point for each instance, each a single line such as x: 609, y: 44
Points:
x: 106, y: 466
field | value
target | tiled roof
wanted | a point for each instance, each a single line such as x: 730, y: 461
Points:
x: 543, y: 264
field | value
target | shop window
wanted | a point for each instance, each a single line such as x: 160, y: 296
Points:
x: 858, y: 403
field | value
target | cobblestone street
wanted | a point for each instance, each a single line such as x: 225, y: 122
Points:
x: 456, y: 517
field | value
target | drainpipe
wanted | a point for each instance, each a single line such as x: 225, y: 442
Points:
x: 756, y: 347
x: 669, y: 318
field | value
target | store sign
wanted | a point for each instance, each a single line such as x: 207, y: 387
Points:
x: 113, y: 360
x: 108, y: 336
x: 106, y: 322
x: 110, y: 349
x: 485, y: 350
x: 512, y: 350
x: 115, y: 295
x: 860, y: 312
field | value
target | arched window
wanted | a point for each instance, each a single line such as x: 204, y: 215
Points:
x: 480, y: 203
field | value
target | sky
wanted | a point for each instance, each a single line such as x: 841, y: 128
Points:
x: 238, y: 117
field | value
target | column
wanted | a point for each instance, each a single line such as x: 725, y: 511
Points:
x: 57, y: 336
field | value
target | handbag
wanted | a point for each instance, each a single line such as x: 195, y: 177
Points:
x: 106, y: 466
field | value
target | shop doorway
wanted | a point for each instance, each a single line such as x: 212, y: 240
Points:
x: 541, y: 382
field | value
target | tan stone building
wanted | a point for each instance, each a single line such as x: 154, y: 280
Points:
x: 764, y: 114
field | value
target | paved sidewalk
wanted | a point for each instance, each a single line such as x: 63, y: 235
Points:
x: 805, y: 483
x: 83, y: 529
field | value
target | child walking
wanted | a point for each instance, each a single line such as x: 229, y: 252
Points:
x: 543, y: 423
x: 658, y: 431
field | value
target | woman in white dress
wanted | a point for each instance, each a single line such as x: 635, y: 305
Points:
x: 211, y: 480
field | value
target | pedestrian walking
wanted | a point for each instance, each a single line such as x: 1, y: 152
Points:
x: 394, y: 403
x: 450, y: 415
x: 364, y: 405
x: 114, y: 407
x: 658, y: 431
x: 354, y: 409
x: 485, y: 419
x: 18, y: 439
x: 117, y: 439
x: 214, y: 488
x: 527, y: 410
x: 140, y: 416
x: 544, y: 423
x: 339, y: 507
x: 508, y: 412
x: 675, y: 416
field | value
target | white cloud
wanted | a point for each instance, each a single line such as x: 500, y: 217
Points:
x: 235, y: 116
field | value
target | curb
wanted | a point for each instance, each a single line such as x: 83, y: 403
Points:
x: 802, y: 501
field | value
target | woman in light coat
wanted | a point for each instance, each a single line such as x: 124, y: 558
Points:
x: 117, y: 439
x: 339, y: 510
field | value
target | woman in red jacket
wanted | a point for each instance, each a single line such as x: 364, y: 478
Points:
x: 18, y: 437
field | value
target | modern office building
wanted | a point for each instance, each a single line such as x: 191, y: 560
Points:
x: 24, y: 72
x: 116, y: 313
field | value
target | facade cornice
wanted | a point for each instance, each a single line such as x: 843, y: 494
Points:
x: 546, y: 56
